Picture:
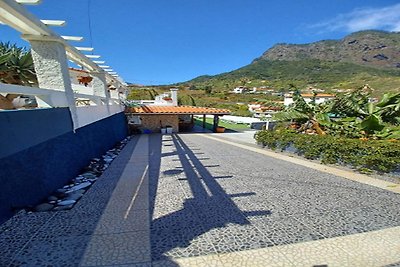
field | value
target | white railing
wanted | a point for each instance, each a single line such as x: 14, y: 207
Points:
x: 81, y: 89
x: 150, y: 102
x: 89, y: 108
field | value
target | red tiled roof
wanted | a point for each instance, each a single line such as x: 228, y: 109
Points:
x: 157, y: 110
x: 270, y: 108
x: 78, y: 70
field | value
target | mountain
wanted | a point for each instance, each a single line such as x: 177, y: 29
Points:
x: 368, y: 48
x: 371, y: 57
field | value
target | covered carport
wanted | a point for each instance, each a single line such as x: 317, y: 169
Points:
x: 155, y: 118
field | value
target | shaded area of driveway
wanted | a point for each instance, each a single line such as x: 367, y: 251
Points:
x: 190, y: 203
x: 216, y: 198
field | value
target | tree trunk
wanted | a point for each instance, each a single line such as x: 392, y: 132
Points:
x: 317, y: 128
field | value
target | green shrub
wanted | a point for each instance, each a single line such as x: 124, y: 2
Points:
x: 378, y: 155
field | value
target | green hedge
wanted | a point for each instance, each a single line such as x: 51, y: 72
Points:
x: 365, y: 155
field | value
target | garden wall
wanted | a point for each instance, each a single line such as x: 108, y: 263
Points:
x: 40, y: 152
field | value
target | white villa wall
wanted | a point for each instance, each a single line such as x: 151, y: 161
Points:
x: 81, y: 89
x: 159, y: 99
x: 90, y: 114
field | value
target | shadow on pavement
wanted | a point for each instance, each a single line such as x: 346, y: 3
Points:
x: 209, y: 208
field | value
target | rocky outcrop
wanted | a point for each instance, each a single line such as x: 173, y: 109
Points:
x: 370, y: 48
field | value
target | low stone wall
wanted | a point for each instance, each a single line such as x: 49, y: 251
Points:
x: 47, y: 159
x: 155, y: 122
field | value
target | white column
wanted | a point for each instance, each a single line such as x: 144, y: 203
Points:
x: 114, y: 93
x: 174, y: 96
x: 51, y: 67
x: 99, y: 85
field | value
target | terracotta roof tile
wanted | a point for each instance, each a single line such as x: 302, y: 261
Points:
x: 176, y: 110
x: 78, y: 70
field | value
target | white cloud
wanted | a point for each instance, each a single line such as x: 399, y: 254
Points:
x: 384, y: 18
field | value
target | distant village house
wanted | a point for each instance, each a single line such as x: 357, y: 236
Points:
x: 319, y: 98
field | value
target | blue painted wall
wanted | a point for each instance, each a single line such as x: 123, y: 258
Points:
x: 28, y: 176
x: 31, y: 127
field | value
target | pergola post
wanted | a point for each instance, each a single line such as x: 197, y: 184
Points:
x: 51, y: 67
x: 215, y: 124
x: 204, y: 121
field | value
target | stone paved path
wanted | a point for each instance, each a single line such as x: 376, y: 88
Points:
x: 188, y: 200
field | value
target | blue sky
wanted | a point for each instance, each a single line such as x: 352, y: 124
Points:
x: 166, y: 41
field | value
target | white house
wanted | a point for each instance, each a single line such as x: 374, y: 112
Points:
x: 165, y: 99
x: 243, y: 89
x: 319, y: 98
x: 239, y: 90
x: 253, y: 106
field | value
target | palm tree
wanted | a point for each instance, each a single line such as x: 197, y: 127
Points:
x: 16, y: 65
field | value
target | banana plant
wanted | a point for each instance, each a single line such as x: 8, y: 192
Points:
x: 311, y: 115
x: 356, y: 109
x: 354, y: 115
x: 389, y: 108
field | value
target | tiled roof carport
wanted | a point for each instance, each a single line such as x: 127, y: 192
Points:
x: 157, y: 110
x: 179, y: 110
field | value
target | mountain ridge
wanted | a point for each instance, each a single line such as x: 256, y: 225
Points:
x: 369, y: 48
x: 371, y: 57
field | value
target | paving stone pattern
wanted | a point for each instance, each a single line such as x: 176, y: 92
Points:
x: 96, y: 231
x: 216, y: 198
x: 186, y: 200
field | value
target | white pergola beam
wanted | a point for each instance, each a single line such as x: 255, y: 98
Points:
x: 72, y: 53
x: 112, y: 72
x: 104, y: 66
x: 57, y: 23
x: 72, y: 38
x: 89, y: 49
x: 15, y: 15
x: 28, y: 2
x: 108, y: 70
x: 18, y: 17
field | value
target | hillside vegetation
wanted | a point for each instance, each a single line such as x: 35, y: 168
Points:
x: 368, y: 57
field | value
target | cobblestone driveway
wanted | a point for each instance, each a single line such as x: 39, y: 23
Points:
x: 216, y: 198
x: 188, y: 200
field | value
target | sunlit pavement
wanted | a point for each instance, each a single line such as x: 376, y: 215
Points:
x: 202, y: 200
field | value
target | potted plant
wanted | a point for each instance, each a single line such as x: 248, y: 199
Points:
x: 220, y: 129
x: 85, y: 80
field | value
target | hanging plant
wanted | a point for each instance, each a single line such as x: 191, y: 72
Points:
x: 85, y: 80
